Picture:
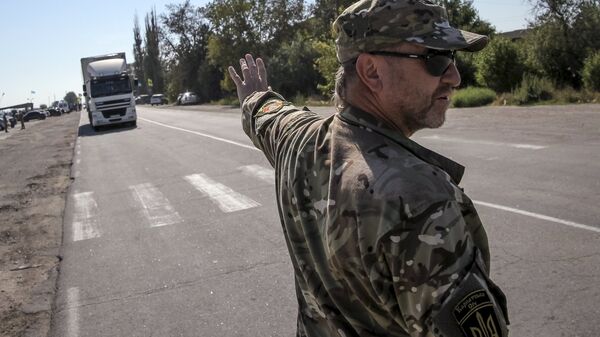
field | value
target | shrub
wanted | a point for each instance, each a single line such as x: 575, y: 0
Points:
x: 500, y: 65
x: 533, y: 89
x: 591, y: 72
x: 472, y: 97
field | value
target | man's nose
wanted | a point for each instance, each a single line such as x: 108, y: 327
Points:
x: 451, y: 76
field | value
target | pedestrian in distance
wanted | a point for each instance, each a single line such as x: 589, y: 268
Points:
x: 382, y: 239
x: 5, y: 120
x: 21, y: 117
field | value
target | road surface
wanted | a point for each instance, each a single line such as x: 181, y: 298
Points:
x: 171, y: 228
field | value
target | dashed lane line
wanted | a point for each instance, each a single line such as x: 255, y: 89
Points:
x: 226, y: 199
x: 156, y: 206
x: 85, y: 209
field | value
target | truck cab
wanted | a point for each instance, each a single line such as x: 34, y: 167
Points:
x: 108, y: 90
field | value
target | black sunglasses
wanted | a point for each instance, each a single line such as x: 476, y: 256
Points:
x: 436, y: 61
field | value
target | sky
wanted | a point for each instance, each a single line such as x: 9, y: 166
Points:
x: 42, y: 41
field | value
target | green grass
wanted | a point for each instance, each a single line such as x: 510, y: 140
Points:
x: 473, y: 97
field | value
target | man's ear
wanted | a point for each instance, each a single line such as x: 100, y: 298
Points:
x: 367, y: 69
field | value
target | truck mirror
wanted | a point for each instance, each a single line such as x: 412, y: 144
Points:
x: 136, y: 83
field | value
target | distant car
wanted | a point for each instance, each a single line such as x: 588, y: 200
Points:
x: 10, y: 117
x: 158, y: 99
x: 189, y: 98
x: 36, y: 114
x: 142, y: 99
x: 54, y: 112
x: 63, y: 107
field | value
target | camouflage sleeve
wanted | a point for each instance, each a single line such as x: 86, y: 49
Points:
x: 427, y: 258
x: 268, y: 119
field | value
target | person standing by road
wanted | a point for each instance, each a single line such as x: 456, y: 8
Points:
x: 21, y: 115
x: 5, y: 120
x: 383, y: 240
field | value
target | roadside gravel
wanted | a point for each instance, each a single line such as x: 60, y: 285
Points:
x: 35, y: 168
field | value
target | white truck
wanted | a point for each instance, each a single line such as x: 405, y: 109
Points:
x: 108, y: 90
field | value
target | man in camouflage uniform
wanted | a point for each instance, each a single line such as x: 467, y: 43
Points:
x: 382, y: 239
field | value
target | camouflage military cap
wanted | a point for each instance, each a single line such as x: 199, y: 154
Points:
x: 370, y: 25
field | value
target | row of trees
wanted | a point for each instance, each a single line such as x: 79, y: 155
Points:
x: 190, y: 47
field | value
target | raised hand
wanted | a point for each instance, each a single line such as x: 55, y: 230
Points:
x: 254, y: 77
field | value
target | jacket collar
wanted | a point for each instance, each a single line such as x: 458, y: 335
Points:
x: 360, y: 118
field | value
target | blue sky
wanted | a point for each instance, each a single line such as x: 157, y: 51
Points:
x: 41, y: 42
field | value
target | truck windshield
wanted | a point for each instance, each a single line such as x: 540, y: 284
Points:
x: 111, y: 86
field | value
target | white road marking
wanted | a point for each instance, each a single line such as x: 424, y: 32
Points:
x: 73, y: 312
x: 484, y: 142
x: 436, y: 137
x: 538, y: 216
x: 156, y: 207
x: 227, y: 199
x: 83, y: 216
x: 260, y: 172
x: 201, y: 134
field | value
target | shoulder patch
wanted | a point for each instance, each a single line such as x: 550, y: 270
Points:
x: 476, y: 316
x: 271, y: 107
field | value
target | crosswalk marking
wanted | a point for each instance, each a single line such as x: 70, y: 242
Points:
x: 226, y: 199
x: 260, y: 172
x: 86, y: 208
x: 156, y: 207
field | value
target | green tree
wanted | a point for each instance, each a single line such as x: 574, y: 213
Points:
x: 71, y: 98
x: 185, y: 37
x: 324, y: 13
x: 138, y: 55
x: 463, y: 15
x: 499, y: 66
x: 591, y: 72
x: 242, y: 26
x: 292, y: 68
x: 152, y: 64
x: 327, y: 65
x: 564, y: 35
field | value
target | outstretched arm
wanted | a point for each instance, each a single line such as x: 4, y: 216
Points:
x: 254, y: 77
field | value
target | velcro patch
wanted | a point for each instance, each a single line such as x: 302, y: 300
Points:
x: 476, y: 316
x: 271, y: 107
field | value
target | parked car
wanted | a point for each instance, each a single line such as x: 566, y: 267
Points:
x: 158, y: 99
x: 142, y: 99
x: 10, y: 117
x: 63, y: 107
x: 189, y: 98
x: 54, y: 112
x: 35, y: 114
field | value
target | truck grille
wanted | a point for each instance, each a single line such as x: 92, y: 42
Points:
x: 114, y: 112
x: 118, y: 101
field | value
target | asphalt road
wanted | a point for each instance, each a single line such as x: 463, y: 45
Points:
x: 171, y: 228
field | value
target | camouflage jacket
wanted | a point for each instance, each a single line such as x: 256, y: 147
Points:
x: 377, y: 228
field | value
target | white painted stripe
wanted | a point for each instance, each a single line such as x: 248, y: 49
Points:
x: 156, y: 207
x: 83, y: 216
x: 227, y: 199
x: 484, y: 142
x: 260, y: 172
x: 538, y: 216
x: 73, y: 312
x: 201, y: 134
x: 436, y: 137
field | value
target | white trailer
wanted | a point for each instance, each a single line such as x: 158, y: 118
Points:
x: 108, y: 90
